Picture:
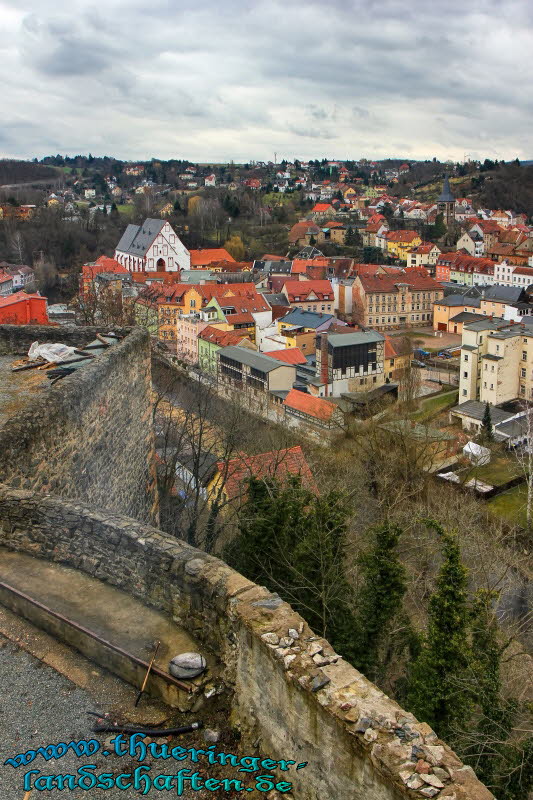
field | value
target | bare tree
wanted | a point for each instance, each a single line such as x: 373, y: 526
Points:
x: 524, y: 458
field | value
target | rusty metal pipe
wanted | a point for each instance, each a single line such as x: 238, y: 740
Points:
x: 143, y: 664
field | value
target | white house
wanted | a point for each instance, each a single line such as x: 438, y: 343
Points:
x: 152, y: 247
x: 211, y: 180
x: 90, y: 193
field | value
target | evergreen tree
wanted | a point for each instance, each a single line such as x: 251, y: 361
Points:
x: 380, y: 597
x: 439, y: 228
x: 502, y: 760
x: 292, y: 541
x: 486, y: 425
x: 436, y: 692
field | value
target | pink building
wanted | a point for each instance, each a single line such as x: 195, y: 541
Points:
x: 188, y: 328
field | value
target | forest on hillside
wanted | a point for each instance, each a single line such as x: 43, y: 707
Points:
x: 25, y: 172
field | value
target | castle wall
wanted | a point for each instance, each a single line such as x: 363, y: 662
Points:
x: 89, y: 437
x: 297, y: 703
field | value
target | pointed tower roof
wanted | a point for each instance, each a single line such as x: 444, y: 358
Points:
x: 446, y: 195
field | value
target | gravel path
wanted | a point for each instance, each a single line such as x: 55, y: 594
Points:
x: 38, y: 706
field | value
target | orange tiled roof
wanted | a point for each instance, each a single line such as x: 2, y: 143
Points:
x: 103, y: 264
x: 290, y: 355
x: 206, y: 256
x: 389, y: 283
x: 278, y: 465
x: 313, y: 406
x: 222, y: 338
x: 302, y: 289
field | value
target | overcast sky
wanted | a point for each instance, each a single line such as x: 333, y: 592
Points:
x: 226, y: 79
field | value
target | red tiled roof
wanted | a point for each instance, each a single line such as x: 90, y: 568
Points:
x: 415, y: 278
x: 425, y: 247
x: 401, y: 236
x: 5, y: 277
x: 302, y: 290
x: 278, y: 465
x: 291, y: 355
x: 222, y: 338
x: 204, y: 257
x: 321, y: 208
x: 103, y: 264
x: 270, y: 257
x: 18, y: 297
x: 313, y: 406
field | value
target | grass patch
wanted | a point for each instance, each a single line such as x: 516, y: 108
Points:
x: 433, y: 406
x: 499, y: 471
x: 126, y: 209
x: 510, y: 505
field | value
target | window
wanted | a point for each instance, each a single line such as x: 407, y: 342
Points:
x: 524, y: 355
x: 466, y: 357
x: 465, y: 374
x: 523, y: 373
x: 464, y: 392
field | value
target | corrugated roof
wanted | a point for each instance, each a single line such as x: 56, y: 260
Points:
x: 252, y: 359
x: 358, y: 337
x: 475, y: 409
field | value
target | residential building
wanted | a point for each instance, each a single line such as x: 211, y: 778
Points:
x: 496, y: 361
x: 22, y: 275
x: 384, y: 301
x: 425, y: 255
x: 472, y: 242
x: 310, y: 295
x: 211, y: 340
x: 152, y: 246
x: 506, y: 274
x: 89, y: 193
x: 207, y: 256
x: 230, y: 481
x: 252, y: 375
x: 6, y: 284
x: 303, y: 233
x: 400, y: 243
x: 314, y: 414
x: 349, y: 362
x: 450, y: 313
x: 459, y: 267
x: 396, y: 358
x: 210, y: 180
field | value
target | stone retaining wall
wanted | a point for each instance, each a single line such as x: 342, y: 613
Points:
x: 89, y: 437
x: 291, y: 691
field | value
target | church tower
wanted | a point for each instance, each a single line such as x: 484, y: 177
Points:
x: 446, y: 204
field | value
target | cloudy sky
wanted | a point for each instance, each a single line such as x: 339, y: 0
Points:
x: 227, y: 79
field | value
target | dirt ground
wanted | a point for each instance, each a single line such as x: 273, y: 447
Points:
x: 428, y: 335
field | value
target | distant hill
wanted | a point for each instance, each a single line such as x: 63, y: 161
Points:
x: 25, y: 172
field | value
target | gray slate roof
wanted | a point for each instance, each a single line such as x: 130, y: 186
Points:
x: 458, y: 300
x: 466, y: 316
x: 307, y: 319
x: 508, y: 293
x: 251, y: 358
x: 446, y: 195
x: 136, y: 239
x: 476, y: 410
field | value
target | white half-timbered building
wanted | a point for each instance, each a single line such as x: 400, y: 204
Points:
x: 152, y: 247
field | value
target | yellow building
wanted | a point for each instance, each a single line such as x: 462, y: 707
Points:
x: 452, y: 312
x: 400, y: 243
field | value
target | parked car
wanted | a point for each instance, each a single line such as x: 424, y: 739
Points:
x: 417, y: 363
x: 421, y: 353
x: 444, y: 354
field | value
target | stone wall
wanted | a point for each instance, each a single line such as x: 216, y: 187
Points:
x: 292, y: 693
x: 89, y: 436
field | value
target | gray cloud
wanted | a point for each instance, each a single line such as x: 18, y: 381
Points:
x: 239, y: 80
